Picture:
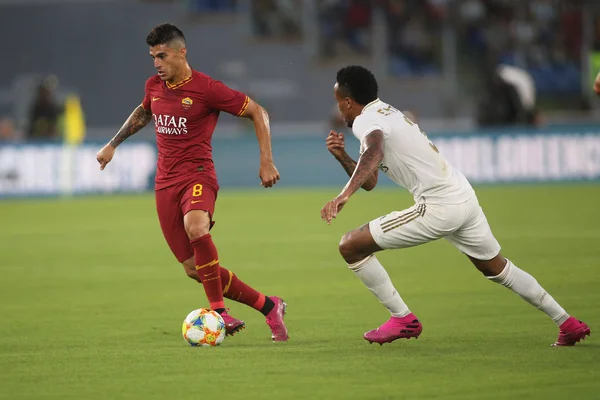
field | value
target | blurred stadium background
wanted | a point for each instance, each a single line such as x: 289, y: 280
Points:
x: 91, y: 298
x: 458, y: 67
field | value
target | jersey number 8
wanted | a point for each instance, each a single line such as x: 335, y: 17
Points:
x: 197, y: 190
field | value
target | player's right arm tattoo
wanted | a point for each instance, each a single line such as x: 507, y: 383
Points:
x: 367, y: 163
x: 138, y: 119
x: 349, y: 166
x: 347, y: 163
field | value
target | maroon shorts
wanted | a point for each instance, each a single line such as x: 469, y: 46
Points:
x: 173, y: 202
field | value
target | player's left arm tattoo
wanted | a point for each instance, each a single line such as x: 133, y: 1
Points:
x: 367, y: 164
x: 138, y: 119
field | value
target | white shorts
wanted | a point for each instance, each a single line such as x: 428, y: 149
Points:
x: 463, y: 225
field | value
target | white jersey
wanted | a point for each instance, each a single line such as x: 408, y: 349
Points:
x: 410, y: 159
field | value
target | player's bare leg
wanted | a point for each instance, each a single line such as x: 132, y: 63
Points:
x: 504, y: 272
x: 206, y: 264
x: 357, y: 248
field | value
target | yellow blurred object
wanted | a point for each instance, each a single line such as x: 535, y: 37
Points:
x: 74, y: 121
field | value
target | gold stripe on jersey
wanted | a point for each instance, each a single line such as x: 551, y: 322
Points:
x: 179, y: 84
x: 245, y: 106
x: 369, y: 105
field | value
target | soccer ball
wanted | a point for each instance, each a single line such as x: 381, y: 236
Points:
x: 203, y: 327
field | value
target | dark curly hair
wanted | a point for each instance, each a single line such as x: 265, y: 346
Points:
x: 358, y: 83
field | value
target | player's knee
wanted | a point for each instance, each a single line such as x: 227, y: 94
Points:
x: 197, y: 224
x: 197, y: 230
x: 348, y: 249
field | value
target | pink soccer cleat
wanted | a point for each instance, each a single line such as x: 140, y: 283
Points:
x: 571, y: 332
x: 396, y: 328
x: 279, y: 332
x: 232, y: 325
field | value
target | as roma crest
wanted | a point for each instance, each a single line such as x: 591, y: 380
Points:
x: 187, y: 102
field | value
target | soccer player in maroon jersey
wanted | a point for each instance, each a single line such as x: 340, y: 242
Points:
x: 185, y: 105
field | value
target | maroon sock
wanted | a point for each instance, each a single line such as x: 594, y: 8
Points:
x: 208, y: 269
x: 235, y: 289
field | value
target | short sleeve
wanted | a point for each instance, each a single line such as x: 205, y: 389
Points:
x: 221, y: 97
x: 147, y: 99
x: 367, y: 123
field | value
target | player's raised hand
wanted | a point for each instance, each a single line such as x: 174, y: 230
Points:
x: 335, y: 143
x: 268, y: 174
x: 105, y: 155
x: 332, y: 208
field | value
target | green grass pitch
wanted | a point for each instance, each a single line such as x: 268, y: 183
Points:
x: 91, y: 302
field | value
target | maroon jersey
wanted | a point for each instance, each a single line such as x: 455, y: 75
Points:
x: 185, y: 116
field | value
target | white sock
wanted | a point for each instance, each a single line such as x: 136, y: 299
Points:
x: 530, y: 290
x: 377, y: 280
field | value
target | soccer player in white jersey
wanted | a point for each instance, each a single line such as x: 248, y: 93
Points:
x: 445, y: 207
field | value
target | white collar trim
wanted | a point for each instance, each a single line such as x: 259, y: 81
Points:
x: 369, y: 105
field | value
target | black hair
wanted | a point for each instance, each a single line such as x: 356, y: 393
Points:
x: 164, y: 34
x: 359, y: 83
